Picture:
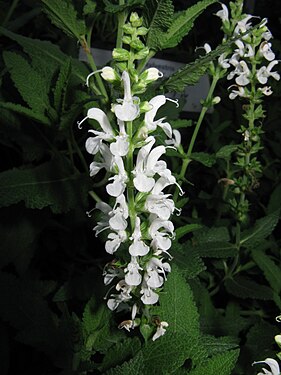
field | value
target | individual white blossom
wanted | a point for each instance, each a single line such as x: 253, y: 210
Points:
x: 223, y: 14
x: 123, y: 296
x: 149, y: 297
x: 118, y: 186
x: 265, y: 72
x: 273, y: 365
x: 160, y: 331
x: 138, y: 246
x: 132, y: 275
x: 266, y: 51
x: 114, y: 241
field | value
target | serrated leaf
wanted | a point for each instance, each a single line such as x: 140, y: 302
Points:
x: 61, y: 85
x: 245, y: 288
x: 226, y: 151
x: 39, y: 117
x: 275, y: 200
x: 221, y: 364
x: 270, y: 270
x: 89, y: 7
x: 49, y: 184
x: 95, y: 324
x: 46, y: 54
x: 216, y: 345
x: 215, y: 234
x: 30, y: 84
x: 188, y: 228
x: 133, y: 367
x: 216, y: 249
x: 158, y: 16
x: 187, y: 260
x: 181, y: 123
x: 183, y: 22
x: 120, y: 352
x: 116, y: 8
x: 63, y: 14
x: 202, y: 157
x: 263, y: 227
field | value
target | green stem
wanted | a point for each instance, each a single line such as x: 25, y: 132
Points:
x: 204, y: 109
x: 78, y: 151
x: 10, y: 12
x: 121, y: 21
x: 94, y: 196
x: 130, y: 167
x: 143, y: 63
x: 85, y: 45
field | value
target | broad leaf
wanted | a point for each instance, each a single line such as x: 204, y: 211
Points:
x: 270, y: 270
x: 263, y: 227
x: 64, y: 16
x: 61, y: 86
x: 46, y: 185
x: 39, y: 117
x: 216, y: 249
x: 183, y: 22
x: 202, y: 157
x: 226, y: 151
x: 134, y: 367
x: 188, y: 228
x: 245, y: 288
x: 187, y: 259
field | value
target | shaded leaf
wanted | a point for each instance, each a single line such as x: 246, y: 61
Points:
x: 226, y: 151
x: 245, y: 288
x: 217, y: 249
x: 64, y: 16
x: 187, y: 259
x: 188, y: 228
x: 115, y: 8
x: 39, y: 117
x: 202, y: 157
x: 133, y: 367
x: 61, y: 85
x: 270, y: 270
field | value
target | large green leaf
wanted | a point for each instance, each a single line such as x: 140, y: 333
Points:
x: 158, y: 16
x: 31, y: 85
x: 271, y: 271
x: 50, y: 184
x: 221, y: 364
x: 182, y: 23
x: 263, y: 227
x: 39, y: 117
x: 188, y: 259
x: 63, y: 14
x: 243, y: 287
x: 133, y: 367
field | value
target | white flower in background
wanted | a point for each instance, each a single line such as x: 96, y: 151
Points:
x: 265, y: 72
x: 236, y: 91
x: 104, y: 223
x: 243, y: 25
x: 119, y: 214
x: 129, y: 110
x: 160, y: 239
x: 110, y: 274
x: 160, y: 331
x: 123, y: 296
x: 138, y: 247
x: 160, y: 205
x: 155, y: 271
x: 273, y: 365
x: 107, y: 161
x: 266, y: 90
x: 176, y: 140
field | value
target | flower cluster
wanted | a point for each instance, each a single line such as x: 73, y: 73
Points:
x: 138, y: 225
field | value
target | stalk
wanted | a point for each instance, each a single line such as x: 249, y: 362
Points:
x: 121, y: 21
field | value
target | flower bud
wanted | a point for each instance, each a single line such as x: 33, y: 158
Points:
x: 135, y: 19
x: 120, y: 54
x: 142, y: 30
x: 150, y: 75
x: 277, y: 339
x: 109, y: 74
x: 142, y: 54
x: 128, y: 29
x: 216, y: 100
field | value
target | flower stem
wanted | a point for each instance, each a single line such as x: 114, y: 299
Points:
x: 130, y: 167
x: 121, y: 21
x: 204, y: 109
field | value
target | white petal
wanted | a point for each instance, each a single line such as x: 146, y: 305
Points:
x: 138, y: 248
x: 98, y: 115
x: 143, y: 183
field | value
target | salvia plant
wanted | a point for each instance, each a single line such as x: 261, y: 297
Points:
x: 140, y: 239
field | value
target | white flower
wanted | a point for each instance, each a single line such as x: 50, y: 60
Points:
x: 243, y: 73
x: 150, y: 75
x: 160, y: 205
x: 160, y: 331
x: 149, y: 121
x: 119, y: 214
x: 138, y: 247
x: 272, y: 363
x: 103, y: 224
x: 149, y: 297
x: 114, y: 241
x: 223, y: 61
x: 98, y: 115
x: 207, y: 48
x: 117, y: 187
x: 161, y: 240
x: 265, y: 72
x: 154, y: 268
x: 107, y: 161
x: 132, y: 275
x: 121, y: 146
x: 147, y: 165
x: 243, y: 25
x: 266, y: 51
x: 129, y: 109
x: 223, y: 13
x: 266, y: 90
x: 124, y: 295
x: 176, y: 141
x: 236, y: 91
x: 110, y: 274
x: 109, y: 74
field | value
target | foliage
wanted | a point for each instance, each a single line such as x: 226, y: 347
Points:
x: 223, y: 293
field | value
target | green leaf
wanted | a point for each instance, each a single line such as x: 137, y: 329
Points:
x: 183, y: 22
x: 39, y: 117
x: 158, y: 16
x: 263, y: 227
x: 134, y: 367
x: 120, y: 352
x: 245, y: 288
x: 63, y: 14
x: 275, y: 200
x: 96, y: 326
x: 187, y: 259
x: 115, y: 8
x: 181, y: 123
x: 220, y: 364
x: 61, y: 85
x: 270, y: 270
x: 215, y: 234
x: 216, y: 249
x: 202, y: 157
x: 49, y: 184
x: 30, y: 84
x: 216, y: 345
x: 89, y: 7
x: 226, y: 151
x: 46, y: 55
x: 188, y: 228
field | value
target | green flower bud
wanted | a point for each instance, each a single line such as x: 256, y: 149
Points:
x: 277, y: 339
x: 142, y: 54
x: 137, y: 44
x: 126, y: 39
x: 135, y: 19
x: 128, y: 29
x: 120, y: 54
x: 109, y: 74
x: 142, y: 31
